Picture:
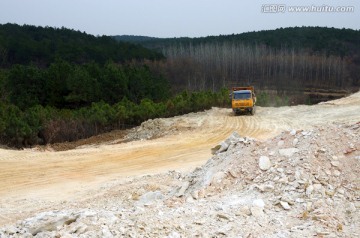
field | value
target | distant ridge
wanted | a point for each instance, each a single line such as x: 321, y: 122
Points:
x: 333, y: 41
x: 134, y: 39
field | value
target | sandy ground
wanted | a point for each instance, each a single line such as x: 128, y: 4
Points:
x: 30, y: 177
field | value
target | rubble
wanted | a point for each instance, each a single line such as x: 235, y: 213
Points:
x: 159, y: 127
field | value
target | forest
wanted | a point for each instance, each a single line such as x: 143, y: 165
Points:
x: 60, y: 84
x: 43, y: 45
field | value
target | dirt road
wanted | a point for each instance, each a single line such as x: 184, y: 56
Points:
x: 55, y: 176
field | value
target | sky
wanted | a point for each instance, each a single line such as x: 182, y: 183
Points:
x: 178, y: 18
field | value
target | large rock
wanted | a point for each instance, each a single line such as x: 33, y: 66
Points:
x: 259, y: 203
x: 150, y: 197
x: 257, y: 208
x: 264, y: 163
x: 182, y: 189
x: 49, y: 221
x: 293, y: 132
x: 309, y: 190
x: 174, y: 234
x: 285, y: 205
x: 223, y: 146
x: 233, y: 139
x: 288, y: 152
x: 106, y: 233
x: 335, y: 163
x: 295, y: 142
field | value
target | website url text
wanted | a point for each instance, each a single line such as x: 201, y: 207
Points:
x: 282, y: 8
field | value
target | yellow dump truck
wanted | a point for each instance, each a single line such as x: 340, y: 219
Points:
x: 243, y: 100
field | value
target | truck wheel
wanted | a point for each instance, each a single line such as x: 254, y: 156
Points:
x: 252, y: 111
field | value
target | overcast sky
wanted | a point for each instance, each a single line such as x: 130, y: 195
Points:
x: 173, y: 18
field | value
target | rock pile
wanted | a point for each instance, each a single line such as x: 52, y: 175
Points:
x: 310, y: 175
x: 298, y: 184
x: 150, y: 129
x: 159, y: 127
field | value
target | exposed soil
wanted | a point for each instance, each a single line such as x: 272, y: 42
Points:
x: 113, y: 137
x: 227, y: 196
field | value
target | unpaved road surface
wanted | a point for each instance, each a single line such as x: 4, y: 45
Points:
x: 30, y: 177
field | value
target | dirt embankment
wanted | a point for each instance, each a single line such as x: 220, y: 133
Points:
x: 323, y: 142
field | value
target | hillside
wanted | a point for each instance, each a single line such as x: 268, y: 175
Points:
x: 43, y: 45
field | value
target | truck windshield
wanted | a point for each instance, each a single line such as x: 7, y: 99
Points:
x: 242, y: 95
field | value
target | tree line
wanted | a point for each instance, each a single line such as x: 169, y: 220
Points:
x: 46, y: 124
x: 212, y: 66
x: 332, y: 41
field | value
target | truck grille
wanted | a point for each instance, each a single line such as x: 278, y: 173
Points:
x: 243, y: 104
